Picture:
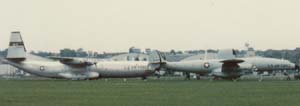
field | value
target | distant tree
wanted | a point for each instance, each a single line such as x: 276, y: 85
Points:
x: 42, y: 53
x: 273, y: 53
x: 173, y: 52
x: 67, y: 52
x: 179, y: 52
x: 211, y: 51
x: 81, y: 53
x: 3, y: 52
x: 259, y: 53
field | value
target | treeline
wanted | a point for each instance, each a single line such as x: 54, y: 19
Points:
x: 3, y: 52
x: 67, y: 52
x: 291, y: 55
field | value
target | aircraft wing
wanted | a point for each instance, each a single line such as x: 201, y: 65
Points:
x: 232, y: 61
x: 73, y: 61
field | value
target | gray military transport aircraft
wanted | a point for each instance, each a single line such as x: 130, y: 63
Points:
x: 228, y: 66
x: 70, y: 68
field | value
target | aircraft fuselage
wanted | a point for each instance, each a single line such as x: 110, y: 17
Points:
x: 104, y: 69
x: 216, y: 67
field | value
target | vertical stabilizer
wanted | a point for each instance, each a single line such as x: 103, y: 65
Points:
x: 16, y: 49
x: 227, y: 54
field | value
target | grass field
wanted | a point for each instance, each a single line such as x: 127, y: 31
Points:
x: 115, y: 92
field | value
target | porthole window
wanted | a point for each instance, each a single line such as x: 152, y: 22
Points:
x: 42, y: 68
x: 206, y: 65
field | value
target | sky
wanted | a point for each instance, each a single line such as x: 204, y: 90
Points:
x: 116, y: 25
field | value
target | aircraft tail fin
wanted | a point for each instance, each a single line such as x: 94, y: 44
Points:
x: 16, y: 49
x: 227, y: 54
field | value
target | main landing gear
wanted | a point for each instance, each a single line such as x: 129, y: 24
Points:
x: 144, y: 78
x: 198, y: 76
x: 187, y: 76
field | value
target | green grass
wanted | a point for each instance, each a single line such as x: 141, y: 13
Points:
x: 115, y: 92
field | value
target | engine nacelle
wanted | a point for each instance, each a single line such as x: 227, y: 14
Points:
x: 81, y: 76
x: 218, y: 73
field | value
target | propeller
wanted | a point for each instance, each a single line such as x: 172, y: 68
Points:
x: 162, y: 57
x: 162, y: 60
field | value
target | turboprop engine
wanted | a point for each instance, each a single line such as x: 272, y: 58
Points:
x: 232, y: 72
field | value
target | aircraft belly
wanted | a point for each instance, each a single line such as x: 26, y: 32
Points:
x: 40, y: 69
x: 125, y: 72
x: 194, y: 68
x: 122, y: 69
x: 122, y: 73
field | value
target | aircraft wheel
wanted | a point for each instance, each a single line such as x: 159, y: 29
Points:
x: 144, y: 78
x: 215, y: 78
x: 198, y: 77
x: 288, y: 78
x: 234, y: 79
x: 187, y: 77
x: 260, y: 79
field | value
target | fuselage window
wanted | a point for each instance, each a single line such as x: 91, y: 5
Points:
x: 206, y: 65
x: 42, y: 68
x: 137, y: 59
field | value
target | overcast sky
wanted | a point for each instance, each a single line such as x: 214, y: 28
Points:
x: 103, y: 25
